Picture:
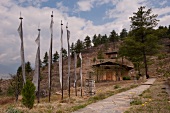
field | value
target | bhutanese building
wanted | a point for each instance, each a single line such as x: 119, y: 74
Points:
x: 112, y: 69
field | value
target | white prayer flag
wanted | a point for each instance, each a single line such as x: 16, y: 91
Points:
x: 75, y: 66
x: 51, y: 25
x: 50, y: 52
x: 81, y: 77
x: 49, y: 63
x: 36, y: 72
x: 37, y: 64
x: 20, y: 30
x: 22, y: 51
x: 81, y: 69
x: 80, y: 57
x: 60, y: 68
x: 69, y: 61
x: 38, y: 40
x: 68, y: 35
x: 60, y: 58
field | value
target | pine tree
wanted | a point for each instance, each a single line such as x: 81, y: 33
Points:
x: 141, y: 40
x: 104, y: 39
x: 55, y: 57
x: 79, y: 46
x: 28, y: 94
x: 87, y: 42
x: 28, y: 68
x: 64, y: 53
x: 123, y: 34
x: 113, y: 38
x: 45, y: 61
x: 95, y: 40
x: 72, y: 50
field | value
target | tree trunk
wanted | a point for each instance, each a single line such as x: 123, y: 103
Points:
x: 145, y: 62
x: 144, y: 56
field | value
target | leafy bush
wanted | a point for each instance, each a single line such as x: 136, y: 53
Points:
x: 12, y: 110
x: 126, y: 78
x: 28, y: 94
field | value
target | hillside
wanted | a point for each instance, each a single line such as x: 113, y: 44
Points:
x: 87, y: 55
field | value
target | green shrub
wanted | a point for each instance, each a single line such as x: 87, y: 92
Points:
x: 126, y: 78
x: 28, y: 94
x: 12, y: 110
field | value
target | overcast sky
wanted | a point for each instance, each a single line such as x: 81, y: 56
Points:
x: 85, y: 17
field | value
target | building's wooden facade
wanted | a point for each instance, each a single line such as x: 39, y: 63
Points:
x: 111, y: 68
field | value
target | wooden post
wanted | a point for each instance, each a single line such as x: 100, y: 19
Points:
x: 38, y: 93
x: 62, y: 64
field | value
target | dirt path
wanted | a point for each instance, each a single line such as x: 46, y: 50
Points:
x: 117, y: 103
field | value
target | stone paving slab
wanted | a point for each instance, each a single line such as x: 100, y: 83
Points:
x: 117, y: 103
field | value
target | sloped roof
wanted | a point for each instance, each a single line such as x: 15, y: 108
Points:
x: 113, y: 52
x: 108, y: 63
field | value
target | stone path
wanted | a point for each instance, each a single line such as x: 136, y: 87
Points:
x: 117, y: 103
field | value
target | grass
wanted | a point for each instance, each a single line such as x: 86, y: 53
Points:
x: 136, y: 101
x: 13, y: 110
x: 153, y: 100
x: 74, y: 108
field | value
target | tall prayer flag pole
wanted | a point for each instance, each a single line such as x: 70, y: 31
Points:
x: 38, y: 93
x: 20, y: 31
x: 50, y: 56
x: 62, y: 55
x: 69, y: 60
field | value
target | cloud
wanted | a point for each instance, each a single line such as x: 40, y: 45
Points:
x: 161, y: 11
x: 61, y: 7
x: 3, y: 55
x: 85, y: 5
x: 163, y: 2
x: 35, y: 3
x: 164, y: 20
x: 122, y: 11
